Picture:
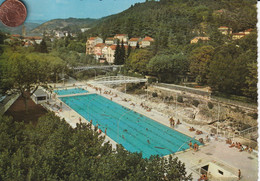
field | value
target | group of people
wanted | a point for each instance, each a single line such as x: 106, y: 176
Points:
x: 203, y: 177
x: 195, y: 146
x: 172, y: 122
x: 198, y: 132
x: 239, y: 146
x: 148, y: 109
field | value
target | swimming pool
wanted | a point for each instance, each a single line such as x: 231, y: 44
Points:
x: 70, y: 91
x: 134, y: 131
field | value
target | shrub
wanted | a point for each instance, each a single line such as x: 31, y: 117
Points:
x: 195, y: 103
x: 180, y: 99
x: 210, y: 105
x: 154, y: 94
x: 253, y: 115
x: 170, y: 98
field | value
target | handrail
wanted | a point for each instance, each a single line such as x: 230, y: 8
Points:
x: 185, y: 143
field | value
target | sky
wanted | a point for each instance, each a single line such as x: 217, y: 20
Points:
x: 53, y: 9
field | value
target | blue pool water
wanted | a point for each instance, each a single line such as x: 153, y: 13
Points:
x: 129, y: 128
x: 70, y: 91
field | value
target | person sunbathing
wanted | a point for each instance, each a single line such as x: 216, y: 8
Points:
x: 232, y: 145
x: 250, y: 149
x: 246, y: 148
x: 228, y: 141
x: 198, y: 132
x: 241, y: 149
x: 201, y: 140
x: 192, y: 129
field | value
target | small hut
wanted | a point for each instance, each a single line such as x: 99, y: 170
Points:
x: 39, y: 96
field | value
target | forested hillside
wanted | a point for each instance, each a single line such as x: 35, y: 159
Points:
x: 228, y: 66
x: 70, y: 24
x: 177, y: 21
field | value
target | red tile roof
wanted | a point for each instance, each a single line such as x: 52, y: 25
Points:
x: 248, y: 30
x: 147, y: 38
x: 113, y: 47
x: 121, y: 34
x: 33, y: 37
x: 134, y: 39
x: 110, y: 38
x: 100, y: 45
x: 16, y: 35
x: 92, y: 38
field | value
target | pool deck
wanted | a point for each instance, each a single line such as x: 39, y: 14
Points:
x: 214, y: 150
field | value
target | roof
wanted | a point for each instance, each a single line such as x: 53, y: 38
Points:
x: 39, y: 92
x: 248, y: 30
x: 201, y: 38
x: 238, y: 34
x: 16, y: 35
x: 110, y: 38
x: 92, y: 38
x: 121, y: 35
x: 100, y: 45
x: 147, y: 38
x: 223, y: 27
x: 113, y: 47
x: 33, y: 37
x: 134, y: 39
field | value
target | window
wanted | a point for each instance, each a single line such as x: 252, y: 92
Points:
x: 219, y: 171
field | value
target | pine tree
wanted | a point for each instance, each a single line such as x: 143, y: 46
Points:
x: 129, y: 49
x: 122, y: 53
x: 43, y: 47
x: 137, y: 45
x: 117, y: 54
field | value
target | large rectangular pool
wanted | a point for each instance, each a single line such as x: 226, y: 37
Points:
x: 137, y: 133
x: 62, y: 92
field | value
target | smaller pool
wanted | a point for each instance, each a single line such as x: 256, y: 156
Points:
x: 70, y: 91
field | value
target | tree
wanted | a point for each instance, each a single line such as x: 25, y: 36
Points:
x: 42, y: 47
x: 129, y: 49
x: 53, y: 150
x: 117, y: 54
x: 137, y: 45
x: 26, y: 71
x: 168, y: 68
x: 122, y: 53
x: 251, y: 81
x: 200, y: 60
x: 138, y: 60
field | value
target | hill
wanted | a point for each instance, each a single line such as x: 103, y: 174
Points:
x: 177, y: 20
x: 18, y: 30
x: 70, y: 24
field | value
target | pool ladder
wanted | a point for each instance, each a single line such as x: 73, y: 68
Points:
x: 185, y: 143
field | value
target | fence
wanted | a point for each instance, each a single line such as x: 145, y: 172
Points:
x: 183, y: 88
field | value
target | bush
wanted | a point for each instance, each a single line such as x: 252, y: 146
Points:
x: 180, y: 99
x: 170, y: 98
x: 154, y: 94
x: 210, y: 105
x: 253, y: 115
x: 195, y: 103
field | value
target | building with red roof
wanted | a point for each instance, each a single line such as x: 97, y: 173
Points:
x: 133, y: 41
x: 90, y: 44
x: 122, y: 37
x: 225, y: 30
x: 146, y: 42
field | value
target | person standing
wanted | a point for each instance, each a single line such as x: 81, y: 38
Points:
x: 239, y: 174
